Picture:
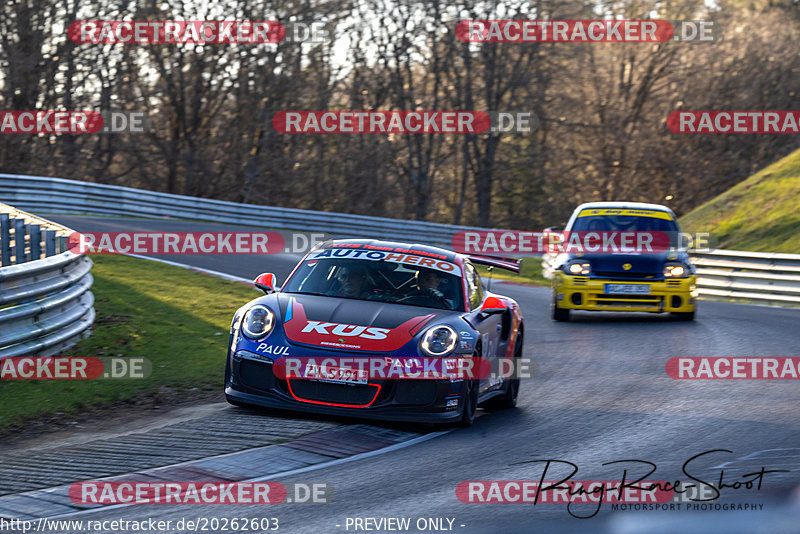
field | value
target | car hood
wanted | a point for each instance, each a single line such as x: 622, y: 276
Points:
x: 359, y: 325
x: 650, y: 263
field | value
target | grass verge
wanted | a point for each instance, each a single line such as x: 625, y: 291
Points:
x: 758, y: 214
x: 176, y: 318
x: 530, y: 273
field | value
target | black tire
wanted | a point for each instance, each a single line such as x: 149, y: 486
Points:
x: 559, y: 314
x: 469, y: 403
x: 684, y: 316
x: 509, y: 399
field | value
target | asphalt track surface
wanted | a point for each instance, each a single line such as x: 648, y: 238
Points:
x: 600, y: 393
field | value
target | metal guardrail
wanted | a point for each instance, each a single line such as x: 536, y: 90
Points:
x: 22, y: 236
x: 765, y: 277
x: 57, y: 195
x: 761, y: 277
x: 45, y: 303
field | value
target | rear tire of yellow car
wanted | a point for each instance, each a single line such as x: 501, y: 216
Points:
x: 559, y: 314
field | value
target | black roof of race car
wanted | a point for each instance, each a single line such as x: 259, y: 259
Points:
x: 393, y: 246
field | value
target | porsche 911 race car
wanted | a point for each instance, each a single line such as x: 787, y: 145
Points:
x: 623, y: 256
x: 390, y: 303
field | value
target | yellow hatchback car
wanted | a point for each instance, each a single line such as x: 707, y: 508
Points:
x: 620, y: 257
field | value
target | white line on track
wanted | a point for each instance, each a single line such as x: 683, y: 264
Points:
x: 193, y: 268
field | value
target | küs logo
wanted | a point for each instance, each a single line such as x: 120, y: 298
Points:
x: 346, y: 330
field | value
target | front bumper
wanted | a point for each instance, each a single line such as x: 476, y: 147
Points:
x: 251, y: 381
x: 586, y: 293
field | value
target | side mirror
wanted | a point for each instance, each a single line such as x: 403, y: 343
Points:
x: 493, y: 305
x: 266, y: 282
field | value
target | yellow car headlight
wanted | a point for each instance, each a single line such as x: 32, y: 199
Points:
x: 579, y: 268
x: 675, y: 270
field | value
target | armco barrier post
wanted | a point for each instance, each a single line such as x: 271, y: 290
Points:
x: 19, y: 241
x: 36, y: 242
x: 5, y: 240
x: 49, y: 243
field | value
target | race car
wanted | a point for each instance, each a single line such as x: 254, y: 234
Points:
x: 623, y: 256
x: 394, y: 304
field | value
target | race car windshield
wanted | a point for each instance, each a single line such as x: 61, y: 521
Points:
x: 624, y: 223
x: 382, y: 281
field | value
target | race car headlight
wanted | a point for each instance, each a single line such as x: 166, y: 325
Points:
x: 439, y: 341
x: 258, y: 322
x: 675, y: 270
x: 579, y: 268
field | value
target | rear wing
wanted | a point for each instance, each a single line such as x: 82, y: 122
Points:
x: 510, y: 264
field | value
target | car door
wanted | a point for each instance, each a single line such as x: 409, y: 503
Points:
x: 489, y: 327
